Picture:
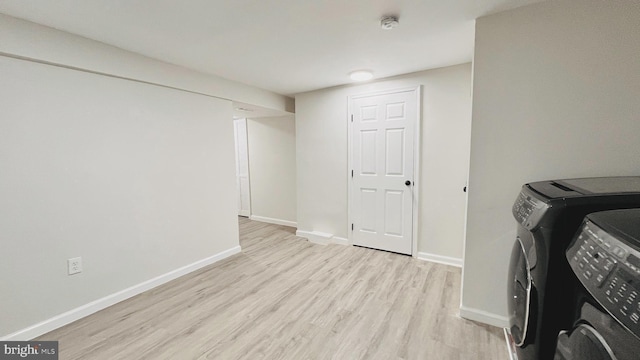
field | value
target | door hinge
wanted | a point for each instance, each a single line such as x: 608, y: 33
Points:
x: 351, y: 117
x: 351, y: 227
x: 351, y: 173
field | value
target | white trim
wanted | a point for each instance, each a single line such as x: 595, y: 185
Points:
x: 447, y: 260
x: 109, y: 300
x: 245, y: 137
x: 417, y: 150
x: 349, y: 177
x: 340, y: 240
x: 384, y: 92
x: 321, y: 238
x: 273, y: 221
x: 484, y: 317
x: 315, y: 237
x: 466, y: 194
x: 416, y: 160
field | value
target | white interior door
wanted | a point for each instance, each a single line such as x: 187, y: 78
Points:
x: 382, y: 157
x: 242, y: 167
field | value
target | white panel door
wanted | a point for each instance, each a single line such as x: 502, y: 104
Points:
x: 242, y: 167
x: 382, y: 158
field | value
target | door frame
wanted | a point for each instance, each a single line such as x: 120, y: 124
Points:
x: 416, y: 161
x: 246, y: 138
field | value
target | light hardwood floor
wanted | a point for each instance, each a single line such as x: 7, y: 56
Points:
x: 286, y: 298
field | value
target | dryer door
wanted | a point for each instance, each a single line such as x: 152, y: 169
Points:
x: 597, y: 336
x: 584, y: 343
x: 520, y: 288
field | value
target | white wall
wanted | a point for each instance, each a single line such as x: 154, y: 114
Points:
x: 556, y: 94
x: 322, y: 146
x: 272, y: 168
x: 29, y: 40
x: 121, y: 159
x: 118, y: 158
x: 136, y: 179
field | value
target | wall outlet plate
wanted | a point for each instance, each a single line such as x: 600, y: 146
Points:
x: 74, y: 265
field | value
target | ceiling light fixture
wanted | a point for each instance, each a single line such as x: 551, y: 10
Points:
x: 389, y: 22
x: 361, y: 75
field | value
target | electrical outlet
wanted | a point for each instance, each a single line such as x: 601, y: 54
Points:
x: 74, y: 265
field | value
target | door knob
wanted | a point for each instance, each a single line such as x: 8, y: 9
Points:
x: 408, y: 182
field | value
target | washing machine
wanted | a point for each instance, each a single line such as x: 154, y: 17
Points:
x: 548, y: 214
x: 605, y: 258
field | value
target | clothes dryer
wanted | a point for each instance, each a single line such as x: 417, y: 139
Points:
x: 548, y: 214
x: 605, y: 258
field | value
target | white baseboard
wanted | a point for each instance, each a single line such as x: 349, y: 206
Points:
x: 321, y: 238
x: 340, y: 241
x: 440, y: 259
x: 484, y: 317
x: 109, y: 300
x: 315, y: 237
x: 274, y: 221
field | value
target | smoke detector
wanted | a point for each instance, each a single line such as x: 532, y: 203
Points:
x: 389, y: 22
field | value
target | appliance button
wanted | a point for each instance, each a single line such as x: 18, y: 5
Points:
x: 608, y: 264
x: 587, y: 274
x: 582, y: 264
x: 624, y: 310
x: 635, y: 317
x: 599, y: 279
x: 619, y: 252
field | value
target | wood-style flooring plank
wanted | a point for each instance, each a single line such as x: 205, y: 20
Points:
x: 283, y: 297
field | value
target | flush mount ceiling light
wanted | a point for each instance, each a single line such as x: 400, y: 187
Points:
x: 389, y: 22
x: 361, y: 75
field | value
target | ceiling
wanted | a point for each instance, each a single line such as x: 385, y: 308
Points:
x: 286, y: 46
